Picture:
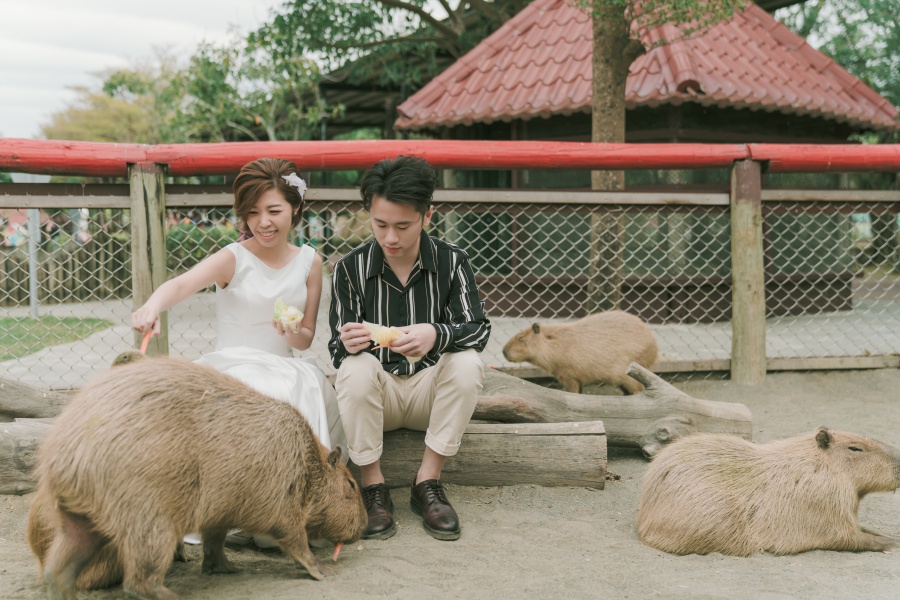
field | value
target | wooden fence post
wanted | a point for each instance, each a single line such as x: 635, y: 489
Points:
x: 148, y: 243
x: 748, y: 293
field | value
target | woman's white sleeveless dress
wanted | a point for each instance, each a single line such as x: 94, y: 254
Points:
x: 250, y: 349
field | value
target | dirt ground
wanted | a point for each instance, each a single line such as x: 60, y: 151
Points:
x: 532, y: 542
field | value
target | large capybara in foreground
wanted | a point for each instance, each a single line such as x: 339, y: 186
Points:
x: 596, y: 349
x: 159, y: 448
x: 720, y: 493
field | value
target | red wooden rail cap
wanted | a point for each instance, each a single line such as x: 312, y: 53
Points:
x: 827, y: 157
x: 96, y: 159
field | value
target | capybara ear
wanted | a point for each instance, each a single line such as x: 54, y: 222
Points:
x: 823, y: 437
x: 334, y: 456
x: 536, y: 328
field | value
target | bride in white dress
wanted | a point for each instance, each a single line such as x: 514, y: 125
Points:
x: 249, y: 276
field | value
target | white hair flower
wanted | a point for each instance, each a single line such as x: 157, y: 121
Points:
x: 294, y: 180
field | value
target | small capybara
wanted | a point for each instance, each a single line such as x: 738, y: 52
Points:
x: 721, y: 493
x: 158, y: 448
x: 595, y: 349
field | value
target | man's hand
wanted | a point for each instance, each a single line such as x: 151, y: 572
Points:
x: 418, y: 341
x: 355, y: 337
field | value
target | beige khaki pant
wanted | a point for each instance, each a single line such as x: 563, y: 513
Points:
x: 439, y: 400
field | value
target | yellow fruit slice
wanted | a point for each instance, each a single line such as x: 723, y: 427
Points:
x: 385, y: 336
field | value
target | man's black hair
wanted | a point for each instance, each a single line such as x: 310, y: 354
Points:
x: 404, y: 180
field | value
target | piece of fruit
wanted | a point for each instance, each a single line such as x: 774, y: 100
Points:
x: 288, y: 316
x: 385, y: 336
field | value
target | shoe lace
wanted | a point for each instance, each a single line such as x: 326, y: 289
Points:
x: 374, y: 494
x: 434, y: 491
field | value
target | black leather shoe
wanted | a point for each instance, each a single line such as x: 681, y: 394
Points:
x: 380, y: 509
x: 428, y: 500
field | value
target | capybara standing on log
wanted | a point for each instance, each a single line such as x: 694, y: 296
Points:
x: 595, y: 349
x: 720, y: 493
x: 153, y: 450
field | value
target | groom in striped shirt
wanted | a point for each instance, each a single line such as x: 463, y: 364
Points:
x: 425, y: 288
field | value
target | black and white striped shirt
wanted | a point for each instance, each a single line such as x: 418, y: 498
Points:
x: 441, y: 290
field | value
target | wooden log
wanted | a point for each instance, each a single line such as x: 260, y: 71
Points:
x: 649, y: 420
x: 545, y: 454
x: 19, y: 443
x: 22, y: 400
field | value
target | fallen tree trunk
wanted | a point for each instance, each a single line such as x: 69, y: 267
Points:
x: 545, y: 454
x: 649, y: 420
x: 22, y: 400
x: 19, y: 443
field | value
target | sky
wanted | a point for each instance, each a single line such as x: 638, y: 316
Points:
x: 47, y: 46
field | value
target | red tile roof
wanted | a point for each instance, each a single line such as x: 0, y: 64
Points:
x: 539, y: 64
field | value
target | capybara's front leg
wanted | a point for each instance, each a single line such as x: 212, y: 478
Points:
x: 297, y: 547
x: 180, y: 554
x: 214, y: 560
x: 73, y: 548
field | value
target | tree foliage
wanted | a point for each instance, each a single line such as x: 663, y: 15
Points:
x: 382, y: 35
x: 130, y: 105
x: 232, y: 92
x: 863, y: 36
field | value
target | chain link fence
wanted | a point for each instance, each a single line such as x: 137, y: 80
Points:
x: 832, y: 280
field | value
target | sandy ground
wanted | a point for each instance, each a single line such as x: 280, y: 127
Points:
x: 532, y: 542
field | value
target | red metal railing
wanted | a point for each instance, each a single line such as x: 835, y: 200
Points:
x: 98, y: 159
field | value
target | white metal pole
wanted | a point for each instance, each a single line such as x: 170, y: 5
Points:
x: 34, y: 238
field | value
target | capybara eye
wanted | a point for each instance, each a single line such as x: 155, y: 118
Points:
x: 856, y: 448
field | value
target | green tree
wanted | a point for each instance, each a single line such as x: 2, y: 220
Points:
x: 863, y: 36
x: 620, y: 28
x: 381, y: 35
x: 130, y: 105
x: 231, y: 92
x: 241, y: 92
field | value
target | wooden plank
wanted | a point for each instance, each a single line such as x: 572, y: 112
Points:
x: 57, y: 198
x: 748, y: 321
x: 831, y: 196
x: 813, y: 363
x: 546, y: 454
x: 46, y: 202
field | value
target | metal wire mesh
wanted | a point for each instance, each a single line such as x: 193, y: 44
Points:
x: 831, y: 277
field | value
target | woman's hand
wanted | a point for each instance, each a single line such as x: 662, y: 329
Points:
x: 145, y: 319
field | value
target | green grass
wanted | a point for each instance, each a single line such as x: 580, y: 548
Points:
x: 20, y: 336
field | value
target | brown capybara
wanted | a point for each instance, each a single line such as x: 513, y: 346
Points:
x: 721, y: 493
x: 159, y: 448
x: 596, y: 349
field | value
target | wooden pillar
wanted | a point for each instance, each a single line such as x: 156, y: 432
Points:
x: 148, y: 243
x: 748, y: 293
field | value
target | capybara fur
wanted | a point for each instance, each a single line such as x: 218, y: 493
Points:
x: 152, y: 450
x: 596, y: 349
x: 721, y: 493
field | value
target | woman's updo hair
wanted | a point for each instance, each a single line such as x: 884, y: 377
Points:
x: 257, y: 178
